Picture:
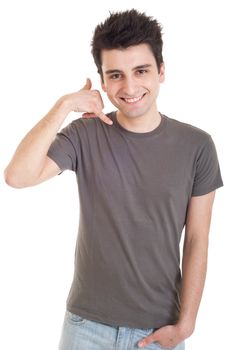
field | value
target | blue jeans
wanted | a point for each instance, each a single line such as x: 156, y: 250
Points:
x: 81, y: 334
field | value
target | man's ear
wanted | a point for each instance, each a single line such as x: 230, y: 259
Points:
x: 162, y: 73
x: 103, y: 85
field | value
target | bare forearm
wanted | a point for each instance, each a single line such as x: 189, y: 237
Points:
x: 29, y: 157
x: 194, y: 267
x: 30, y: 164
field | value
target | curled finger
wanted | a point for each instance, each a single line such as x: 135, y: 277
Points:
x: 88, y: 115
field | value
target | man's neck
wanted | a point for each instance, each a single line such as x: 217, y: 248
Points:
x: 140, y: 124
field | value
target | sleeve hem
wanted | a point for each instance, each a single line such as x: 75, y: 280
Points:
x: 207, y: 190
x: 56, y: 160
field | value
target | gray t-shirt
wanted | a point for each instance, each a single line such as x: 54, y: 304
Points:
x: 134, y: 190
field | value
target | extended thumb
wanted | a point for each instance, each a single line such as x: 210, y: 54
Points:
x: 87, y: 85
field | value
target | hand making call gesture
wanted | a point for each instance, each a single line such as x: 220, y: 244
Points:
x: 87, y: 101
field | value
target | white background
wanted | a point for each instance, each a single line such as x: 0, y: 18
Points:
x: 45, y: 53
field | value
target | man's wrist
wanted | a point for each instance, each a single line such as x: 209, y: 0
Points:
x: 185, y: 327
x: 64, y: 105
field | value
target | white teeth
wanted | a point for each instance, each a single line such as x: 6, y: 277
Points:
x: 132, y: 100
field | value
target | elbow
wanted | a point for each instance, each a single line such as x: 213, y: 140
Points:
x: 12, y: 179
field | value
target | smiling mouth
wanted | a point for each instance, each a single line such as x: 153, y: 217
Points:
x: 133, y: 100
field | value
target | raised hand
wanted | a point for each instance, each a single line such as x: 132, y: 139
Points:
x: 88, y: 101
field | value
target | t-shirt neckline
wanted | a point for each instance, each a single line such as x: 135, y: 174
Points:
x: 155, y: 131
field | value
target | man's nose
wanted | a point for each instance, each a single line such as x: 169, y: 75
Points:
x: 130, y: 87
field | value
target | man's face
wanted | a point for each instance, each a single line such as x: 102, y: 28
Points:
x: 131, y: 79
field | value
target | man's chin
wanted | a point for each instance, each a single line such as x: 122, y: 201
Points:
x: 136, y: 113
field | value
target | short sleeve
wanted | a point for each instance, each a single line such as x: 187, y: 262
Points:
x: 207, y: 172
x: 64, y: 148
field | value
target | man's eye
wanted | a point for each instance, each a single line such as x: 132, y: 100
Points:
x: 142, y: 71
x: 115, y: 76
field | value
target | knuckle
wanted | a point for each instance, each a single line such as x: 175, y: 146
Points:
x: 95, y: 92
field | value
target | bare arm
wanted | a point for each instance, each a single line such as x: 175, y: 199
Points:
x: 195, y: 254
x: 194, y: 266
x: 30, y: 164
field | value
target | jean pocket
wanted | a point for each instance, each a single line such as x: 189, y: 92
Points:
x: 159, y: 347
x: 75, y: 319
x: 145, y: 331
x: 180, y: 346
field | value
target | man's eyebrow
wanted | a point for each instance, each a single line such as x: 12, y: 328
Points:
x: 142, y: 66
x: 110, y: 71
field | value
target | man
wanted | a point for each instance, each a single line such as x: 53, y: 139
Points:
x: 142, y: 178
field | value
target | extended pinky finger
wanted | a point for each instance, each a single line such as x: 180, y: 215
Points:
x: 105, y: 119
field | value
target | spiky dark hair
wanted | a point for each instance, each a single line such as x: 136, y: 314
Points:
x: 124, y: 29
